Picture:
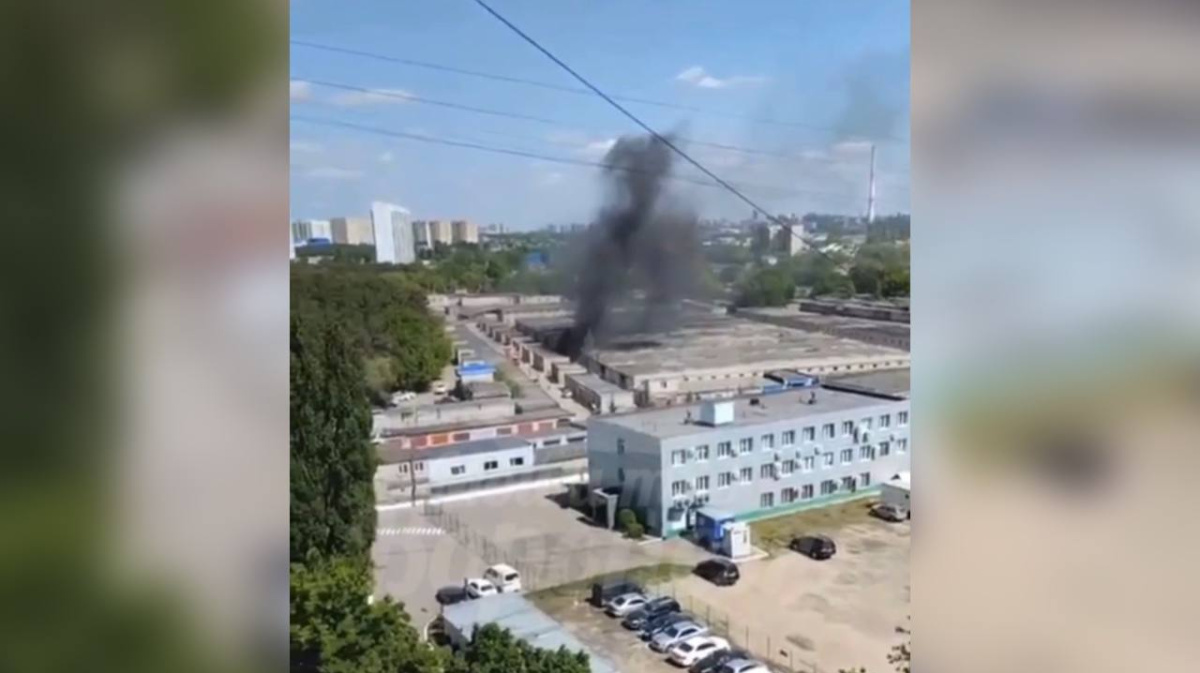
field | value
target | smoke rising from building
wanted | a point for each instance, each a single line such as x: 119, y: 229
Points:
x: 641, y: 254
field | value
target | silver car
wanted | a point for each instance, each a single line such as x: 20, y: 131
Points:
x: 676, y: 633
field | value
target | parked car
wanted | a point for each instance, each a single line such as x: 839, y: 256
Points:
x: 713, y: 662
x: 819, y: 547
x: 676, y: 633
x: 719, y: 571
x: 694, y: 649
x: 637, y: 619
x: 661, y: 623
x: 625, y: 604
x: 451, y: 595
x: 478, y: 587
x: 602, y: 592
x: 440, y: 388
x: 505, y: 577
x: 404, y: 396
x: 743, y: 666
x: 890, y: 512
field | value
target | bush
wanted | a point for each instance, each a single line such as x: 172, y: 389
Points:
x: 625, y: 518
x: 635, y: 531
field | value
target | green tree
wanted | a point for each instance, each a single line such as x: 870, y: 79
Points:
x: 333, y: 628
x: 766, y: 286
x: 495, y: 650
x: 332, y: 459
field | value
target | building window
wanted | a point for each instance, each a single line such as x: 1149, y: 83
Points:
x: 458, y: 470
x: 678, y: 457
x: 747, y: 475
x: 866, y: 423
x: 702, y: 483
x: 847, y: 427
x: 788, y: 466
x: 884, y: 449
x: 766, y: 500
x: 829, y: 459
x: 724, y: 479
x: 789, y: 438
x: 901, y: 445
x: 420, y: 466
x: 828, y: 487
x: 702, y: 452
x: 620, y: 445
x: 745, y: 445
x: 504, y: 431
x: 788, y: 495
x: 864, y: 479
x: 403, y: 468
x: 847, y: 456
x: 828, y: 431
x: 902, y: 418
x: 810, y: 463
x: 516, y: 462
x: 725, y: 450
x: 679, y: 488
x: 491, y: 465
x: 806, y: 492
x: 766, y: 471
x: 810, y: 433
x: 866, y: 453
x: 768, y: 442
x: 885, y: 421
x: 848, y: 484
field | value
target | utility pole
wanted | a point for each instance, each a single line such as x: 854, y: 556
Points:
x: 871, y: 189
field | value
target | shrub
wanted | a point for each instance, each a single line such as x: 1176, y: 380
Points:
x: 635, y: 531
x: 626, y: 518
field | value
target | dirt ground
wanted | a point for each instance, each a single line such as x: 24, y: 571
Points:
x: 788, y: 610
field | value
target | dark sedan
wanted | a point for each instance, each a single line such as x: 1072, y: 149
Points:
x: 714, y: 661
x: 661, y: 622
x: 451, y: 595
x: 659, y: 606
x: 819, y: 547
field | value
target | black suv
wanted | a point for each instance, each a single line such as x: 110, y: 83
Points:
x: 640, y: 617
x: 714, y: 661
x: 451, y: 595
x: 609, y: 589
x: 819, y: 547
x: 719, y: 571
x: 656, y: 624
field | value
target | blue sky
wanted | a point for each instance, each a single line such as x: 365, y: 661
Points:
x: 836, y: 71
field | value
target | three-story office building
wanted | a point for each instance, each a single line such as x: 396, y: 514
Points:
x: 751, y: 457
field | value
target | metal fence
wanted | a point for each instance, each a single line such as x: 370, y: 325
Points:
x: 779, y: 653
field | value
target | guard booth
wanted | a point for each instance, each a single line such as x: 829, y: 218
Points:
x: 719, y: 532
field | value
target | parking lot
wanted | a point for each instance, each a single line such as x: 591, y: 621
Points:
x: 790, y: 611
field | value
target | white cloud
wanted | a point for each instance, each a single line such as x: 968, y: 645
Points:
x: 598, y: 148
x: 333, y: 173
x: 698, y: 77
x: 304, y: 146
x: 300, y: 90
x: 852, y: 147
x: 372, y: 97
x: 386, y: 158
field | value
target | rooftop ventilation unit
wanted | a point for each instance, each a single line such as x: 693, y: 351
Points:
x: 714, y: 412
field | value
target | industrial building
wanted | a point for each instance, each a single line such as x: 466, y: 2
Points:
x: 752, y: 457
x: 393, y: 234
x: 598, y: 395
x: 469, y: 427
x: 514, y: 613
x: 458, y: 462
x: 878, y: 332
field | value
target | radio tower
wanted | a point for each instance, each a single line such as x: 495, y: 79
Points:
x: 871, y: 189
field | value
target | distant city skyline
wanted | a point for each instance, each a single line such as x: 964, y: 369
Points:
x: 791, y: 96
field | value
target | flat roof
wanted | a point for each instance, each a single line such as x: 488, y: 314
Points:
x: 705, y: 342
x: 791, y: 404
x: 391, y: 452
x: 533, y: 415
x: 889, y: 381
x: 516, y: 614
x: 595, y: 383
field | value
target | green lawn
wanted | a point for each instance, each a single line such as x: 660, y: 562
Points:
x: 553, y: 598
x: 776, y: 532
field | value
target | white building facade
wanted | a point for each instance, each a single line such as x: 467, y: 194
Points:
x: 394, y: 241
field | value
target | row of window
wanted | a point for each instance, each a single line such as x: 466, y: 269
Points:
x: 789, y: 494
x: 786, y: 438
x: 459, y: 470
x: 725, y: 450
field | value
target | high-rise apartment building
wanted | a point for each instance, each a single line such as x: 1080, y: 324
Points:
x: 465, y: 231
x: 352, y: 230
x: 393, y: 232
x: 304, y: 231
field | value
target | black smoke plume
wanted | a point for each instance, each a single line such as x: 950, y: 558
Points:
x: 640, y: 255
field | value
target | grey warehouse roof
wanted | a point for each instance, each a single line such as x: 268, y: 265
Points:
x: 390, y: 452
x: 672, y: 421
x: 516, y: 614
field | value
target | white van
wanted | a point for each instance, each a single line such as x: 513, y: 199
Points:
x: 505, y: 577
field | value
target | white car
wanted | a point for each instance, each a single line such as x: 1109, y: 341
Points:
x: 440, y: 388
x: 694, y: 649
x: 404, y: 396
x: 505, y: 577
x: 743, y: 666
x: 676, y: 633
x: 625, y: 604
x: 478, y: 587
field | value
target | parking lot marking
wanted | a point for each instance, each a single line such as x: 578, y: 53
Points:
x: 412, y: 530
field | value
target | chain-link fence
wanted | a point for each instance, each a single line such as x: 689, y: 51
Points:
x: 778, y: 652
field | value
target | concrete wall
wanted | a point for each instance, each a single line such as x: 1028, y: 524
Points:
x: 649, y: 472
x: 436, y: 414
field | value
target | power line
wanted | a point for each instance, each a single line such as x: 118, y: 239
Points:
x: 634, y: 118
x: 467, y: 144
x: 570, y: 89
